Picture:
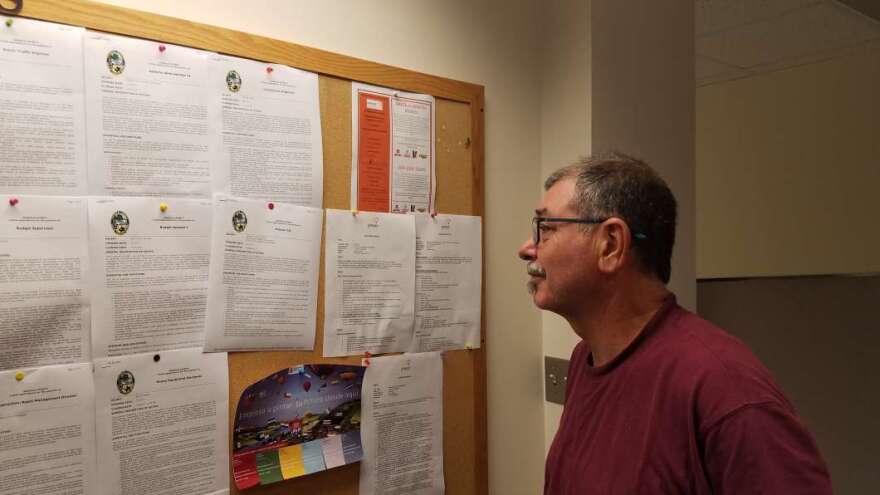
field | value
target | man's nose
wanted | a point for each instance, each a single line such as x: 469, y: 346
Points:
x: 527, y: 250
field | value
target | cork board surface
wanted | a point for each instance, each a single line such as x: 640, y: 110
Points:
x: 461, y: 387
x: 459, y: 168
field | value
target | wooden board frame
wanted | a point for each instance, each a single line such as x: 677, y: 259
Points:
x: 465, y: 438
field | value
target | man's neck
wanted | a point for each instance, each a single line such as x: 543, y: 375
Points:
x: 616, y: 319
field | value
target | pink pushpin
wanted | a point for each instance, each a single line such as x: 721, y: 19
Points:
x: 271, y: 206
x: 13, y: 201
x: 433, y: 214
x: 269, y: 70
x: 161, y: 48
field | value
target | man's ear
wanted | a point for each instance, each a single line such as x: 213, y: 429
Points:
x: 614, y: 242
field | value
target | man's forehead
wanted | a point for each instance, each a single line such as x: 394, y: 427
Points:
x: 557, y: 199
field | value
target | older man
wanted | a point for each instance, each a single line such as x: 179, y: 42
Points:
x: 658, y: 400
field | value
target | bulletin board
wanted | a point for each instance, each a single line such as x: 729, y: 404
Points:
x: 459, y: 168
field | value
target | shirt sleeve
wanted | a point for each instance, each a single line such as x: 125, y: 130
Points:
x: 763, y: 448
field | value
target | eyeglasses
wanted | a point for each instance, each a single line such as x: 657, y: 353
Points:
x: 537, y: 221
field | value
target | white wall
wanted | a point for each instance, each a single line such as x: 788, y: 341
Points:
x: 488, y: 42
x: 789, y: 166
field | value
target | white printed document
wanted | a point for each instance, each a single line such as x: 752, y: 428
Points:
x: 369, y: 283
x: 268, y: 130
x: 263, y: 280
x: 392, y: 155
x: 47, y: 431
x: 149, y: 273
x: 449, y: 272
x: 162, y: 423
x: 147, y: 118
x: 402, y: 428
x: 44, y: 311
x: 42, y: 121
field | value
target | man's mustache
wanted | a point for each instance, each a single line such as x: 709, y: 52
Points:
x: 535, y: 270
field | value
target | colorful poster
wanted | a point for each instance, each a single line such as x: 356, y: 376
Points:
x: 297, y: 421
x: 393, y: 165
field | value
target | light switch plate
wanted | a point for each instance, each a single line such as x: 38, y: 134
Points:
x: 555, y: 377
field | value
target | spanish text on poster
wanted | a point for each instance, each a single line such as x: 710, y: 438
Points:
x: 297, y: 421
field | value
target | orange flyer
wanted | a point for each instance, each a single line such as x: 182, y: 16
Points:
x: 373, y: 154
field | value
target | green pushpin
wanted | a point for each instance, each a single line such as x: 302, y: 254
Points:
x: 8, y: 22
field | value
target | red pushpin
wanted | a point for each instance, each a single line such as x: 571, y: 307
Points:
x: 367, y: 356
x: 433, y: 214
x: 269, y: 70
x: 13, y: 201
x: 161, y: 48
x: 271, y: 206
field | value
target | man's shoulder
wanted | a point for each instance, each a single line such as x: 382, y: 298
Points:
x: 718, y: 371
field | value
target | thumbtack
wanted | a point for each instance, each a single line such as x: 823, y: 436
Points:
x: 433, y: 214
x: 468, y: 346
x: 269, y: 70
x: 13, y: 201
x: 354, y: 212
x: 271, y: 206
x: 163, y: 207
x: 156, y: 358
x: 9, y: 24
x: 161, y: 48
x: 19, y: 376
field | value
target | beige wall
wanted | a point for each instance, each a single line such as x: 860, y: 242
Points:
x: 789, y: 167
x: 819, y: 337
x: 565, y: 135
x: 619, y: 74
x: 490, y: 42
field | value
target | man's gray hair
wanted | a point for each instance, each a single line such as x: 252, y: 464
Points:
x: 618, y: 185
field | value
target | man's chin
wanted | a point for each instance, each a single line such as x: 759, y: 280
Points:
x: 537, y: 297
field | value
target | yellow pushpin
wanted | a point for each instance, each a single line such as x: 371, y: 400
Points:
x: 354, y: 211
x: 8, y: 22
x: 163, y: 207
x: 19, y: 376
x: 468, y: 346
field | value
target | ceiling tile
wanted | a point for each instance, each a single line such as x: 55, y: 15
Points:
x: 721, y: 15
x: 710, y: 72
x: 797, y: 36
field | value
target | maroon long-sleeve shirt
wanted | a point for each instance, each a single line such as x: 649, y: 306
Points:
x: 686, y: 408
